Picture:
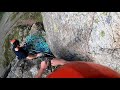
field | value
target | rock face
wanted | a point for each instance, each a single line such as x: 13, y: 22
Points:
x: 89, y: 36
x: 23, y: 69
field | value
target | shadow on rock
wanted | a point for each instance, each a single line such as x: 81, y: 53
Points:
x: 72, y: 56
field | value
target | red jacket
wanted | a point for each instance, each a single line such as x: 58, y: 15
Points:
x: 83, y: 70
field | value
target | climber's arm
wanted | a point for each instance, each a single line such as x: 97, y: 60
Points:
x: 31, y: 57
x: 56, y: 62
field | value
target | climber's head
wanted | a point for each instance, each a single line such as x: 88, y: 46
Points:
x: 12, y: 41
x: 15, y: 42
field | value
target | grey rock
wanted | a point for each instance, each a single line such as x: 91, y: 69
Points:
x: 88, y: 36
x: 21, y: 70
x: 26, y: 69
x: 25, y: 32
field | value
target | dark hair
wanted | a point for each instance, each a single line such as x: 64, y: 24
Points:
x: 16, y: 43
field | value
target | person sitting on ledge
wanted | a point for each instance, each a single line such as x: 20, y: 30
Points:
x: 21, y: 53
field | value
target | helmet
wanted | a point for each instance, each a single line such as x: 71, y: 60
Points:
x: 12, y: 41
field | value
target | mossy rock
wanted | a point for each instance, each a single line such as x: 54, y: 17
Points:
x: 102, y: 33
x: 14, y: 14
x: 1, y: 15
x: 33, y: 16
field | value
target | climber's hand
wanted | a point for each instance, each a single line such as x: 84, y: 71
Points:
x: 39, y: 55
x: 44, y: 65
x: 37, y: 76
x: 56, y: 62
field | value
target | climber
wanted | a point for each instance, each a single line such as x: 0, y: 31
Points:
x: 77, y: 69
x: 21, y: 53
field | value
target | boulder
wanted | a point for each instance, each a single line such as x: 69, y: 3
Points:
x: 85, y: 36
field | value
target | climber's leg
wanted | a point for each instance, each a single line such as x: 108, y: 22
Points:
x: 31, y: 57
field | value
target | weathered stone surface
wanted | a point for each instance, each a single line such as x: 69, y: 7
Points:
x: 20, y: 69
x: 37, y: 28
x: 90, y: 36
x: 26, y: 69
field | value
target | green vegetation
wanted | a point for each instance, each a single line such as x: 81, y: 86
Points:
x: 105, y: 13
x: 33, y: 16
x: 1, y: 15
x: 1, y: 62
x: 14, y: 14
x: 8, y: 53
x: 96, y: 20
x: 28, y: 15
x: 102, y: 33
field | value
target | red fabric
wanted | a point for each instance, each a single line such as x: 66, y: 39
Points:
x: 83, y: 70
x: 12, y: 41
